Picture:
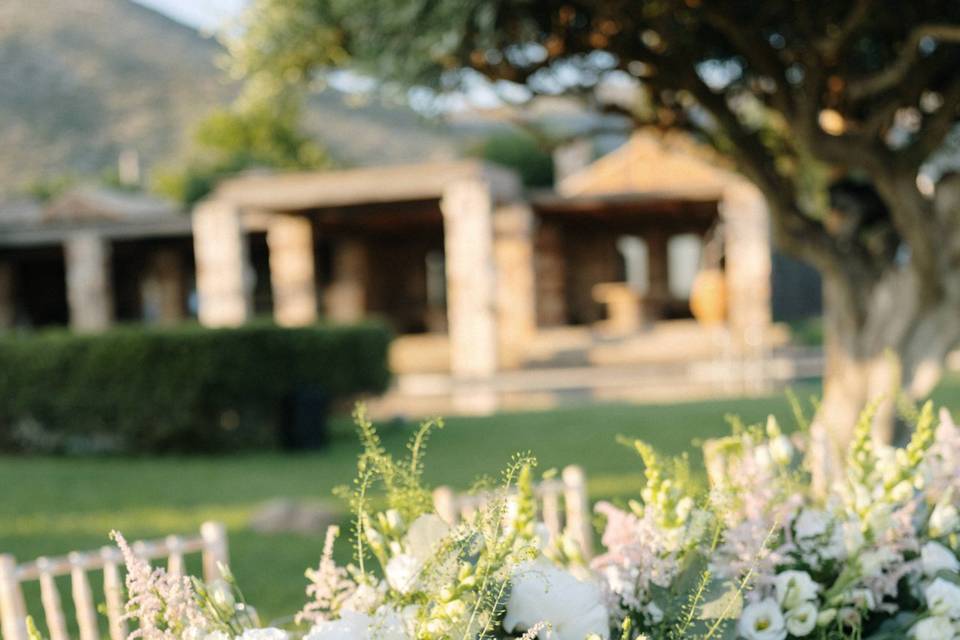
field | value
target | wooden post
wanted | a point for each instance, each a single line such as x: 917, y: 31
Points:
x: 13, y: 610
x: 578, y: 509
x: 215, y: 551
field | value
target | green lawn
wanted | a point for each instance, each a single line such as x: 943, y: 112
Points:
x: 49, y: 506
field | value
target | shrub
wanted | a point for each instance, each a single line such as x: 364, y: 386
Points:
x: 184, y: 389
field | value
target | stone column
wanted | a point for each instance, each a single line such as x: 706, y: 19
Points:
x: 224, y: 282
x: 516, y: 295
x: 346, y: 297
x: 747, y: 248
x: 471, y: 303
x: 89, y: 294
x: 7, y: 301
x: 290, y: 240
x: 747, y: 267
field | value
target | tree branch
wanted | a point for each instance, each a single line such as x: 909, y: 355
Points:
x: 831, y: 44
x: 904, y: 63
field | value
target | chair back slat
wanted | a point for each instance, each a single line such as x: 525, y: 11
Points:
x: 113, y: 593
x: 83, y: 598
x: 573, y: 519
x: 550, y: 508
x: 174, y: 546
x: 13, y: 610
x: 211, y: 544
x: 577, y: 502
x: 215, y: 549
x: 50, y: 598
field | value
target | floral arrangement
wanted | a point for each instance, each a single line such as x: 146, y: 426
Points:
x: 758, y: 556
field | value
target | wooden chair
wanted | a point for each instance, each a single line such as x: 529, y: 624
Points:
x: 211, y: 544
x: 570, y: 491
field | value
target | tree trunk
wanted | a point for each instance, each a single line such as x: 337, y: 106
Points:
x: 880, y: 341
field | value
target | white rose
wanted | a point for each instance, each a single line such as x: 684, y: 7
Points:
x: 217, y: 635
x: 801, y: 620
x: 944, y: 520
x: 943, y: 598
x: 935, y: 557
x: 794, y: 588
x: 269, y: 633
x: 402, y: 571
x: 762, y: 621
x: 541, y: 592
x: 811, y: 523
x: 935, y: 628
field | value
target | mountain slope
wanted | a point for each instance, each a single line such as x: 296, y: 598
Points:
x: 82, y: 80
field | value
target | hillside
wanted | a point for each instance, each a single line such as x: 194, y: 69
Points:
x: 85, y: 79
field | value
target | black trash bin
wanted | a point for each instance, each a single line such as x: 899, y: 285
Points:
x: 304, y: 417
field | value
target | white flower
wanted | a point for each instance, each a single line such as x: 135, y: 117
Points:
x: 217, y: 635
x: 571, y: 609
x: 425, y: 535
x: 935, y: 628
x: 863, y: 599
x: 852, y: 537
x: 762, y: 621
x: 944, y: 520
x: 365, y: 599
x: 794, y: 588
x: 402, y: 571
x: 385, y: 624
x: 802, y: 619
x: 654, y: 613
x: 943, y: 598
x: 811, y: 523
x: 935, y: 557
x: 781, y: 450
x: 269, y: 633
x: 872, y: 563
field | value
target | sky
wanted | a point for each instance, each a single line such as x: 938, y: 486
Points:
x: 202, y: 14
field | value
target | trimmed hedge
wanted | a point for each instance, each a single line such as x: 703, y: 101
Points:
x: 187, y: 389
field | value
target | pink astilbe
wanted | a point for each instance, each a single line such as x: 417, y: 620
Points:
x: 163, y: 605
x: 330, y: 586
x: 640, y: 554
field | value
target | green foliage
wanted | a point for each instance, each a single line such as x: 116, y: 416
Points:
x: 187, y: 389
x: 257, y: 134
x: 46, y: 189
x: 521, y: 151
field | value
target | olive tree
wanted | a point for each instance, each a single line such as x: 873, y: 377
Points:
x: 802, y: 95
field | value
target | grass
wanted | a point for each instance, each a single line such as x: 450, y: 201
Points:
x: 51, y: 505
